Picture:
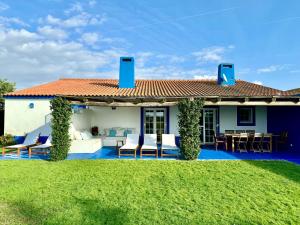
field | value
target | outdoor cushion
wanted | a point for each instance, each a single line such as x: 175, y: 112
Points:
x: 132, y: 141
x: 168, y: 142
x: 49, y: 139
x: 150, y: 139
x: 149, y: 147
x: 120, y: 132
x: 112, y: 133
x: 129, y: 131
x: 16, y: 146
x: 31, y: 138
x: 46, y: 145
x: 86, y: 135
x: 77, y: 135
x: 169, y: 147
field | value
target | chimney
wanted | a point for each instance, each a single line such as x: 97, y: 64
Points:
x: 126, y: 74
x: 226, y: 74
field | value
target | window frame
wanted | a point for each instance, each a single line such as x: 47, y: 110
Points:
x: 239, y: 122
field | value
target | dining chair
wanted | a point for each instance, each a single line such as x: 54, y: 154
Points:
x: 266, y: 143
x: 282, y: 140
x: 220, y: 140
x: 229, y: 131
x: 240, y: 131
x: 256, y: 144
x: 242, y: 142
x: 250, y: 131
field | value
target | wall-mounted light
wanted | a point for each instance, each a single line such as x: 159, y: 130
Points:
x: 31, y: 105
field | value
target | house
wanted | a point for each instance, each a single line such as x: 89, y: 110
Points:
x: 150, y: 106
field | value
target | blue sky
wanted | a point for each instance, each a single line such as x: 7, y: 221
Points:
x: 43, y: 40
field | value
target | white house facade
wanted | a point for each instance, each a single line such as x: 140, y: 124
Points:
x: 150, y: 106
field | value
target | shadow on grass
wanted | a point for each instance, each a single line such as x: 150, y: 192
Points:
x: 288, y: 170
x: 84, y: 211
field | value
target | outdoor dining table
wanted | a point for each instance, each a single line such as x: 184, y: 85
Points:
x: 233, y: 136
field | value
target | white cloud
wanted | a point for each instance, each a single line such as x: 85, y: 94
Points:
x: 92, y: 3
x: 205, y: 77
x: 27, y: 58
x: 171, y: 58
x: 268, y: 69
x: 257, y: 82
x: 213, y: 54
x: 75, y: 7
x: 295, y: 71
x: 52, y: 33
x: 271, y: 68
x: 6, y: 21
x: 81, y: 20
x: 90, y: 38
x: 3, y: 6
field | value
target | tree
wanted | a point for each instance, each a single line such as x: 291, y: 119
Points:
x: 189, y: 127
x: 6, y: 87
x: 60, y: 123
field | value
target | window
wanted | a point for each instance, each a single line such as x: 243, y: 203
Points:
x: 246, y: 116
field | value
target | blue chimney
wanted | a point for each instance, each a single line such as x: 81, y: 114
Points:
x: 126, y: 76
x: 226, y: 74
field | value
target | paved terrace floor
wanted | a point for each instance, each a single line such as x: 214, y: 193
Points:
x: 206, y: 154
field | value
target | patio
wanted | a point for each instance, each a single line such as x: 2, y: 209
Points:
x: 207, y: 153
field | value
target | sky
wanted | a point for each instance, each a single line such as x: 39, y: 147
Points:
x: 44, y: 40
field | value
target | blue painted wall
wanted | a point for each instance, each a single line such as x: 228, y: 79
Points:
x: 285, y: 119
x: 126, y: 79
x: 226, y: 74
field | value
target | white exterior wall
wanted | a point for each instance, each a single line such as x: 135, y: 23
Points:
x: 82, y: 121
x: 125, y: 117
x: 173, y: 120
x: 228, y: 119
x: 20, y: 119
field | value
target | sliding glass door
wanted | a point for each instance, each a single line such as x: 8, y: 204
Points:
x: 208, y: 125
x: 155, y: 121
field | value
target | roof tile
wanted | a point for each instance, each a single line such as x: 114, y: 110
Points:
x: 148, y: 88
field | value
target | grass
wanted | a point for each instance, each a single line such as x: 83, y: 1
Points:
x: 149, y: 192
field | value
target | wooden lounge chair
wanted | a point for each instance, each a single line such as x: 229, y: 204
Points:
x: 150, y: 145
x: 42, y: 148
x: 168, y: 146
x: 30, y: 140
x: 131, y: 145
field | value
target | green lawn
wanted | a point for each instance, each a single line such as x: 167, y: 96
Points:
x: 149, y: 192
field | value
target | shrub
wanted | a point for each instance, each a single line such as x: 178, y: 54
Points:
x: 61, y: 119
x: 7, y: 140
x: 189, y: 127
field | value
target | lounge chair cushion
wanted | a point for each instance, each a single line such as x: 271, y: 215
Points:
x: 16, y: 146
x: 129, y: 146
x: 132, y: 141
x: 150, y: 147
x: 43, y: 146
x: 169, y: 147
x: 31, y: 138
x: 77, y: 135
x: 86, y: 135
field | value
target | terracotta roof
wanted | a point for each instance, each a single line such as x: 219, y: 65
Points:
x: 148, y: 88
